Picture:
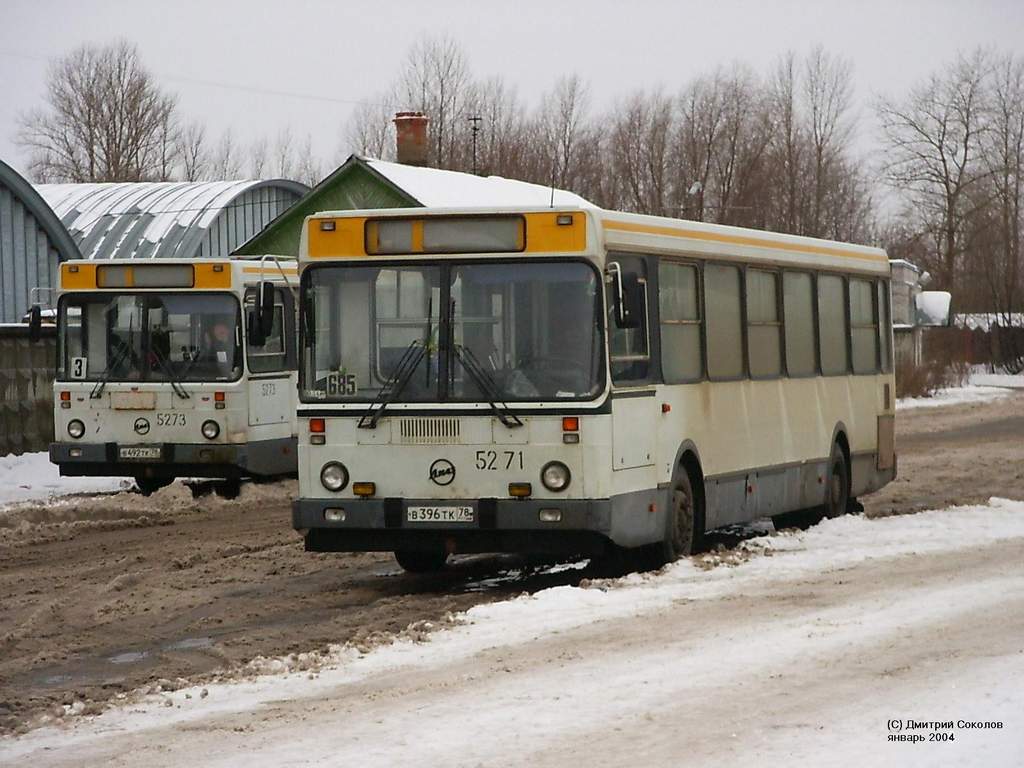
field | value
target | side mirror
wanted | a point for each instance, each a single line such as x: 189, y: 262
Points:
x: 629, y: 298
x: 932, y: 309
x: 253, y: 331
x: 265, y: 309
x: 35, y: 323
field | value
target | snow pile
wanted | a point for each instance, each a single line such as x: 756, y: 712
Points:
x: 533, y: 620
x: 31, y: 477
x: 970, y: 393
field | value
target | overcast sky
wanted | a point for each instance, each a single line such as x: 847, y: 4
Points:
x: 350, y: 50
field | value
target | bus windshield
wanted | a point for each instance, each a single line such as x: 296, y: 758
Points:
x: 531, y: 329
x: 158, y: 337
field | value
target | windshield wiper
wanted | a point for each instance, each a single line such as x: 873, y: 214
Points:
x: 165, y: 366
x: 487, y: 386
x: 396, y: 383
x: 97, y: 391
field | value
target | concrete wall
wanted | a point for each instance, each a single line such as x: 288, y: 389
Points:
x: 26, y: 389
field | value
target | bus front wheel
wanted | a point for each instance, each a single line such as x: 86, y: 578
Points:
x: 416, y: 561
x: 681, y: 534
x: 150, y: 485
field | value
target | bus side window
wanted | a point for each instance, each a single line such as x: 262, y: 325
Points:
x: 272, y: 356
x: 798, y: 295
x: 629, y: 348
x: 724, y: 321
x: 764, y: 331
x: 884, y: 327
x: 863, y: 327
x: 832, y: 326
x: 679, y: 305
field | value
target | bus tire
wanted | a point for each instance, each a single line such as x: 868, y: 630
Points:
x: 681, y: 535
x: 837, y: 501
x: 150, y: 485
x: 418, y: 561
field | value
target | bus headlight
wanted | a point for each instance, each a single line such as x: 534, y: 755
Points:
x: 76, y: 428
x: 334, y: 476
x: 555, y: 476
x: 210, y: 429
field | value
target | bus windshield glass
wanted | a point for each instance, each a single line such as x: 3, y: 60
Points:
x: 156, y: 337
x: 521, y: 331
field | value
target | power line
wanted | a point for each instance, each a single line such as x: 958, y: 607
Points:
x: 225, y: 85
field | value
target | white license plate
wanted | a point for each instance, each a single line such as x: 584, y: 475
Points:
x: 136, y: 452
x: 439, y: 514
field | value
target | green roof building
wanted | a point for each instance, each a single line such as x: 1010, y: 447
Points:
x: 364, y: 184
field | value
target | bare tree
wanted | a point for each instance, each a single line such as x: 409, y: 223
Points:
x: 435, y: 80
x: 226, y: 163
x: 369, y: 131
x: 307, y: 167
x: 828, y: 87
x: 192, y: 152
x: 932, y: 141
x: 997, y: 245
x: 105, y: 120
x: 562, y: 124
x: 258, y: 158
x: 284, y: 159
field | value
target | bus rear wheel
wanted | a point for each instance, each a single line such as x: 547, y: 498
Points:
x: 838, y: 500
x: 418, y: 561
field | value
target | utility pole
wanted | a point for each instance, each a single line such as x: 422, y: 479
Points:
x: 475, y: 121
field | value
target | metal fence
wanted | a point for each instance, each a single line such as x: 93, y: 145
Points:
x: 26, y: 389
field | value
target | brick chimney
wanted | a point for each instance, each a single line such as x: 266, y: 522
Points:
x: 411, y: 128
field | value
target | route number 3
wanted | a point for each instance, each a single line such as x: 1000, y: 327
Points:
x: 78, y: 367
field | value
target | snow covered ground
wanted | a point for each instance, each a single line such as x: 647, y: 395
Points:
x: 31, y: 477
x: 800, y: 648
x: 981, y: 387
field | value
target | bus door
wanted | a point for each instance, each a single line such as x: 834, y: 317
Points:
x: 634, y: 420
x: 270, y: 366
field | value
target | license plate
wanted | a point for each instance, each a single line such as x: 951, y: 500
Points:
x: 439, y: 514
x: 140, y: 452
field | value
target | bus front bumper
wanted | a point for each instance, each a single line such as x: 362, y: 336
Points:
x: 581, y: 526
x: 174, y: 460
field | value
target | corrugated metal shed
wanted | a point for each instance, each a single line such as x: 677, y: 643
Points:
x: 168, y: 219
x: 363, y: 182
x: 32, y: 243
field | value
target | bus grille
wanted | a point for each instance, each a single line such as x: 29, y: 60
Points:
x: 435, y: 431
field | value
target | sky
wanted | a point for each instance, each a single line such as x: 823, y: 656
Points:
x: 302, y: 65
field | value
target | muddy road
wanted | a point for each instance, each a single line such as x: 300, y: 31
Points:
x: 103, y: 595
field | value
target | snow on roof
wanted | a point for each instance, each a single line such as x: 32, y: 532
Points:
x: 451, y: 189
x: 146, y: 219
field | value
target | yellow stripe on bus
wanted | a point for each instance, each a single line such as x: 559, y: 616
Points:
x: 755, y: 242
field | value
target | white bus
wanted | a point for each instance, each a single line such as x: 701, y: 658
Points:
x: 158, y: 377
x: 577, y: 381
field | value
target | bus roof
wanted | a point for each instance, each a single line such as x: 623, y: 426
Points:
x: 636, y: 233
